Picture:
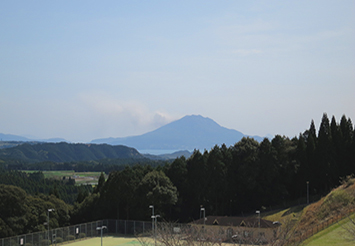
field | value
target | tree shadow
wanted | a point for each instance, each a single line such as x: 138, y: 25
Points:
x: 295, y: 209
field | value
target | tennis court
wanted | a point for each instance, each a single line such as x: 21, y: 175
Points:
x: 106, y: 241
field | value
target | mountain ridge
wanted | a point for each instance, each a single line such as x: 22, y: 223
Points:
x: 188, y: 133
x: 67, y: 152
x: 12, y: 137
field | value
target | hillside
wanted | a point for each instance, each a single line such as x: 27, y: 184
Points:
x: 65, y: 152
x: 188, y: 133
x: 302, y: 222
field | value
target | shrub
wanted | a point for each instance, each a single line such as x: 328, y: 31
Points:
x: 59, y: 240
x: 82, y: 235
x: 348, y: 180
x: 69, y: 238
x: 45, y: 242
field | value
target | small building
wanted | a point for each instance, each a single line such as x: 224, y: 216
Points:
x: 240, y: 229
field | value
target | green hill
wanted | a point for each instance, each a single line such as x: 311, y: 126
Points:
x: 337, y: 234
x: 65, y: 152
x: 309, y: 224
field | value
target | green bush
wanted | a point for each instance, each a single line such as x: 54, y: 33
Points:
x: 45, y: 242
x: 82, y: 235
x: 69, y: 238
x: 28, y: 244
x: 59, y: 239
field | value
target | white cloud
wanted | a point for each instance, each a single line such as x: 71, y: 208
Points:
x: 116, y: 118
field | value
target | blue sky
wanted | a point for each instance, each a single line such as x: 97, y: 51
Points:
x: 82, y: 70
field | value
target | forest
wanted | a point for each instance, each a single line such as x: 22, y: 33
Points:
x: 35, y: 183
x: 234, y: 180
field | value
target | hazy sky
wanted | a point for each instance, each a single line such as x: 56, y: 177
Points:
x: 82, y: 70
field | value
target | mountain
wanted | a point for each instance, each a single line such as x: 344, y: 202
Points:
x: 65, y: 152
x: 11, y: 137
x: 171, y: 156
x: 188, y: 133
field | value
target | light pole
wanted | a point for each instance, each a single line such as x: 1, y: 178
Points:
x: 101, y: 228
x: 155, y: 226
x: 152, y: 207
x: 258, y: 212
x: 49, y: 210
x: 307, y: 192
x: 204, y: 216
x: 154, y: 219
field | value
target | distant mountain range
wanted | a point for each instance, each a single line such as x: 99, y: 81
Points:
x: 11, y: 137
x: 188, y: 133
x: 65, y: 152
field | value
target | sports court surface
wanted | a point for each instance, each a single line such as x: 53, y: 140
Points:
x: 115, y: 241
x: 106, y: 241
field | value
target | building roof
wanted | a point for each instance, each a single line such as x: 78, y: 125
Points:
x: 236, y: 221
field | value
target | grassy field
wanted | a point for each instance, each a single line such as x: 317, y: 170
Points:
x: 80, y: 177
x: 333, y: 235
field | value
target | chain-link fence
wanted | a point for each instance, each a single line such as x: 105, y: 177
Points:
x: 77, y: 232
x: 323, y: 225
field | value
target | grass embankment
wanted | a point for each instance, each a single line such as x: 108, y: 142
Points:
x: 315, y: 221
x: 336, y: 234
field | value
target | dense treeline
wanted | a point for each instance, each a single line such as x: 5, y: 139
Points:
x: 127, y: 194
x: 230, y: 180
x: 103, y: 165
x: 35, y: 183
x: 21, y: 213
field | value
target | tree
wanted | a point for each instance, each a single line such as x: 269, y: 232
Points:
x: 158, y: 190
x: 177, y: 173
x: 197, y: 183
x: 127, y: 182
x: 346, y: 148
x: 246, y: 161
x: 269, y: 184
x: 22, y: 213
x: 100, y: 184
x: 216, y: 178
x: 324, y: 164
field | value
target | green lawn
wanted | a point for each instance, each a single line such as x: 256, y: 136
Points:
x: 106, y: 241
x: 334, y: 235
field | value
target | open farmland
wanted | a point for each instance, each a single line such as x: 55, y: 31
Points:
x: 80, y: 177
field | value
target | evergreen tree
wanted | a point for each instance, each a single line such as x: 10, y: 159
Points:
x: 100, y: 183
x: 324, y: 164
